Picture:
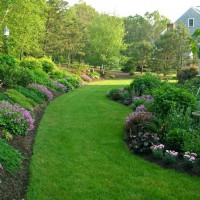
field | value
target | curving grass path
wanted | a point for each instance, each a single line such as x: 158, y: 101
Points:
x: 79, y: 154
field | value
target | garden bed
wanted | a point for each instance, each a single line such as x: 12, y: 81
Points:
x: 178, y: 166
x: 15, y: 186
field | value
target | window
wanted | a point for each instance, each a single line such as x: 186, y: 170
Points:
x: 191, y: 22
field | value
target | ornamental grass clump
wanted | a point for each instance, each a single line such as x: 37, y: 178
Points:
x: 170, y: 156
x: 189, y: 159
x: 48, y: 94
x: 15, y: 118
x: 139, y: 137
x: 157, y: 151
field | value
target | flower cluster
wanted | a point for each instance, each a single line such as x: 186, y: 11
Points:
x: 43, y: 89
x: 60, y: 86
x: 144, y: 97
x: 157, y: 147
x: 140, y: 108
x: 172, y: 153
x: 15, y: 118
x: 157, y: 151
x: 171, y: 156
x: 190, y: 157
x: 86, y: 78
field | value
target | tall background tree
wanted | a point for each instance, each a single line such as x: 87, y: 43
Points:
x: 171, y: 51
x: 105, y: 40
x: 26, y: 21
x: 141, y: 33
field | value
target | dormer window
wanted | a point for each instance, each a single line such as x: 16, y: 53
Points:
x: 191, y: 22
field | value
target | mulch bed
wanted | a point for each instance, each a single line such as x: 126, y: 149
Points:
x: 178, y: 166
x: 14, y: 187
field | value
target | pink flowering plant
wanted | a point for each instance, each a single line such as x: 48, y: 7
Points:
x: 189, y: 159
x: 157, y: 151
x: 86, y: 78
x: 15, y: 118
x: 170, y: 156
x: 47, y: 93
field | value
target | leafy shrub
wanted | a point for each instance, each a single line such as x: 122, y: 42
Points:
x: 10, y: 158
x: 179, y: 118
x: 192, y: 142
x: 20, y: 99
x: 47, y: 64
x: 57, y: 74
x: 40, y: 77
x: 8, y: 67
x: 29, y: 94
x: 3, y: 97
x: 192, y: 86
x: 115, y: 94
x: 74, y: 82
x: 86, y: 78
x: 186, y: 73
x: 131, y: 73
x: 168, y: 97
x: 16, y: 119
x: 25, y: 76
x: 8, y: 60
x: 31, y: 63
x: 94, y: 75
x: 66, y: 83
x: 144, y: 84
x: 175, y: 139
x: 43, y: 91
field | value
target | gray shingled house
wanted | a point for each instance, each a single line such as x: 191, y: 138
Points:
x: 191, y: 19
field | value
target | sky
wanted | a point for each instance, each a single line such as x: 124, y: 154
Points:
x: 171, y: 9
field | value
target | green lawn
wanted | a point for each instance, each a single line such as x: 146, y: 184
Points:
x: 79, y: 154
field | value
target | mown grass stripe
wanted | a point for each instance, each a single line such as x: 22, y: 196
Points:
x: 79, y: 153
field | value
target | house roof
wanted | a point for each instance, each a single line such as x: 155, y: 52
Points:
x: 196, y: 9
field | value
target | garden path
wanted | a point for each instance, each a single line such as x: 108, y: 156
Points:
x: 79, y: 153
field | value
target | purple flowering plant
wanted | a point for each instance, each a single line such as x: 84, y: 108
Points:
x: 61, y: 87
x: 43, y: 89
x: 144, y: 97
x: 15, y: 118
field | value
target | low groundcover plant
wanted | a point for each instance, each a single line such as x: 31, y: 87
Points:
x: 15, y: 118
x: 189, y: 159
x: 43, y: 89
x: 157, y: 151
x: 170, y: 156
